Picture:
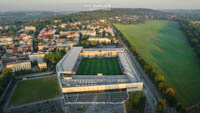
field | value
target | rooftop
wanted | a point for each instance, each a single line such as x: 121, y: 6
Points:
x: 79, y: 81
x: 19, y: 62
x: 68, y: 62
x: 105, y: 49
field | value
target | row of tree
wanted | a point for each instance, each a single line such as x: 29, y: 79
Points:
x: 159, y: 80
x: 7, y: 75
x: 53, y: 58
x: 192, y: 31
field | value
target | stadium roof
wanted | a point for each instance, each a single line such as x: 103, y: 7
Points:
x: 104, y: 49
x: 69, y: 60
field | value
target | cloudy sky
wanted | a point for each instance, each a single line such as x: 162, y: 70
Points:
x: 77, y: 5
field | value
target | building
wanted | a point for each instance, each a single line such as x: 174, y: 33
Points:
x: 63, y: 25
x: 30, y: 28
x: 42, y: 65
x: 17, y: 66
x: 100, y: 40
x: 72, y: 83
x: 36, y: 57
x: 99, y: 52
x: 4, y: 40
x: 68, y: 63
x: 93, y: 89
x: 88, y: 33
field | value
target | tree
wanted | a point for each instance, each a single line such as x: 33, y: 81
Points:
x: 180, y: 107
x: 160, y: 106
x: 49, y: 37
x: 134, y: 98
x: 8, y: 74
x: 7, y: 71
x: 34, y: 64
x: 103, y: 33
x: 2, y: 50
x: 170, y: 91
x: 161, y: 86
x: 53, y: 58
x: 194, y: 41
x: 85, y: 43
x: 84, y: 37
x: 197, y: 49
x: 170, y: 96
x: 93, y: 43
x: 159, y: 78
x: 30, y: 32
x: 136, y: 102
x: 133, y: 48
x: 35, y: 44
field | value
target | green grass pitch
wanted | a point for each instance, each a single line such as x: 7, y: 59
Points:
x: 106, y: 66
x: 163, y: 45
x: 35, y: 90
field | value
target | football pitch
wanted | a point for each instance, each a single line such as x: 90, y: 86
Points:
x: 28, y: 91
x: 93, y: 66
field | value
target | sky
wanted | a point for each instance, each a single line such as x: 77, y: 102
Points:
x: 80, y: 5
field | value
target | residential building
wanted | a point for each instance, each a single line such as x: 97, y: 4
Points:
x: 30, y: 28
x: 42, y: 65
x: 100, y: 40
x: 36, y: 57
x: 4, y: 40
x: 17, y: 66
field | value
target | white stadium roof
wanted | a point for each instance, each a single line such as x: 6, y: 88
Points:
x: 69, y: 60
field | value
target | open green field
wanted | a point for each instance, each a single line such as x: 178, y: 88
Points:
x: 35, y: 90
x: 163, y: 45
x: 93, y: 66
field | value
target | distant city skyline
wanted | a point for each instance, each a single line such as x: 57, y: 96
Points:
x: 80, y: 5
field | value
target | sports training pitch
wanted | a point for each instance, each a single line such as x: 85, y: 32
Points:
x: 35, y: 90
x: 93, y: 66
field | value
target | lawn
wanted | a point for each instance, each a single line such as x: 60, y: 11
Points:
x: 163, y: 45
x: 93, y: 66
x: 35, y: 90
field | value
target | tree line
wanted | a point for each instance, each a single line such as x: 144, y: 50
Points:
x: 192, y: 32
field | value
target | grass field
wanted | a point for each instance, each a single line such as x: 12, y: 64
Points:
x: 35, y: 90
x: 163, y: 45
x: 92, y: 66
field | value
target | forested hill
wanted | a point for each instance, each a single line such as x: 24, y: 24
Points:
x: 119, y: 12
x: 97, y: 14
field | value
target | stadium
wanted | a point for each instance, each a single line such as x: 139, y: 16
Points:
x: 96, y: 76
